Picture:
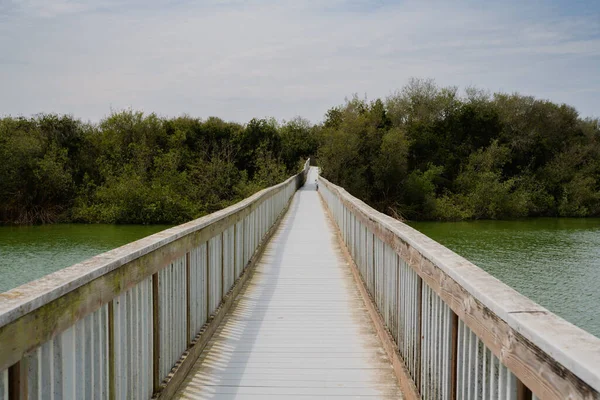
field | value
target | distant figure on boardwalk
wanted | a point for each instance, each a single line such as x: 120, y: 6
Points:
x: 316, y: 185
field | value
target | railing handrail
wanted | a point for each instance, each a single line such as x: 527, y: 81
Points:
x: 572, y: 347
x: 30, y: 296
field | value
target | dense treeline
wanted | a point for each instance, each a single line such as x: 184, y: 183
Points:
x: 424, y: 152
x: 429, y: 153
x: 135, y: 168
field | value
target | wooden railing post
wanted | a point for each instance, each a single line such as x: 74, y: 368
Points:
x: 155, y: 333
x: 188, y: 292
x: 372, y: 289
x: 244, y: 260
x: 399, y: 338
x: 111, y: 352
x: 207, y: 289
x: 453, y: 355
x: 222, y: 267
x: 419, y: 343
x: 235, y: 276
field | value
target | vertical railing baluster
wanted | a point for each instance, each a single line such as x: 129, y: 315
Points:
x: 111, y: 351
x: 235, y: 245
x: 425, y: 367
x: 372, y: 289
x: 477, y: 380
x: 155, y: 334
x: 222, y: 268
x: 501, y: 381
x: 208, y: 278
x: 453, y: 354
x: 483, y: 374
x: 418, y: 328
x: 188, y: 294
x: 435, y: 346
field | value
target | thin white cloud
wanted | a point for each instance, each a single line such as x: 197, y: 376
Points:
x: 240, y: 59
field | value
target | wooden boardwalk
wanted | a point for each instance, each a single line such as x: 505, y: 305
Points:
x: 300, y: 328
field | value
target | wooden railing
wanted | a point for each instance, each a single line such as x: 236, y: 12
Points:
x: 461, y: 333
x: 128, y: 323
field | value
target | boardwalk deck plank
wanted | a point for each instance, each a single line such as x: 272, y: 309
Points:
x: 300, y: 328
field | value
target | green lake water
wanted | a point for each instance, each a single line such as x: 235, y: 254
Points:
x: 30, y: 252
x: 554, y: 262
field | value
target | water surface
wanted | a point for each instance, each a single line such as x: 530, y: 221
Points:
x: 30, y: 252
x: 553, y: 261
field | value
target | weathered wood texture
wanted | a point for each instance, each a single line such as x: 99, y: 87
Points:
x: 551, y: 357
x: 78, y: 345
x: 186, y: 362
x: 299, y: 328
x: 406, y: 383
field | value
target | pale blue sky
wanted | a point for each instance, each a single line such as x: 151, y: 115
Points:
x: 240, y: 59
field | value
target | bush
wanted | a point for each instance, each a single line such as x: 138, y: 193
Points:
x: 137, y: 168
x: 428, y: 153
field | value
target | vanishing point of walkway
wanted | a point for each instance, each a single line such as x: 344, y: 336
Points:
x: 299, y: 329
